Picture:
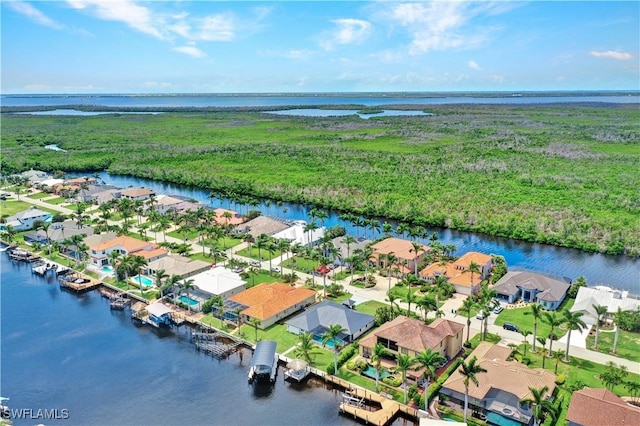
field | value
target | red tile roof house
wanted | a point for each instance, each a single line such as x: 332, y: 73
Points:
x: 458, y: 274
x: 99, y: 253
x: 411, y: 336
x: 273, y: 302
x: 403, y: 250
x: 234, y: 217
x: 501, y: 388
x: 137, y: 193
x: 601, y: 407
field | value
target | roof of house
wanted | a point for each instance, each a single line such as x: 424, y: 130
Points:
x: 296, y: 234
x: 218, y: 280
x: 338, y: 243
x: 601, y: 407
x: 328, y: 313
x: 507, y: 376
x: 58, y: 231
x: 28, y: 214
x: 612, y: 299
x: 266, y: 300
x: 174, y: 264
x: 455, y: 276
x: 551, y: 289
x: 130, y: 244
x: 263, y: 225
x: 150, y: 253
x: 402, y: 249
x: 136, y: 192
x: 473, y: 256
x: 414, y: 334
x: 235, y: 218
x: 80, y: 181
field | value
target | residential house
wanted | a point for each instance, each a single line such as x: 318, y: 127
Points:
x: 345, y: 251
x: 137, y: 193
x: 99, y: 253
x: 270, y: 303
x: 80, y: 181
x: 183, y: 207
x: 318, y: 318
x: 263, y: 225
x: 531, y: 287
x: 501, y: 388
x: 181, y: 266
x: 296, y: 234
x: 217, y: 281
x: 227, y: 217
x: 106, y: 195
x: 601, y: 407
x: 613, y: 299
x: 48, y: 183
x: 164, y: 203
x: 411, y: 336
x: 35, y: 176
x: 407, y: 256
x: 25, y: 220
x: 58, y: 231
x: 458, y: 274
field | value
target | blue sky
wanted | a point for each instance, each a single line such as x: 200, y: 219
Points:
x: 127, y: 46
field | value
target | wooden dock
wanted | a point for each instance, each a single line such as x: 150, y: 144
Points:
x: 218, y: 350
x: 78, y: 282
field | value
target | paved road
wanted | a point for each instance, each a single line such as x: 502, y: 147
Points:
x: 379, y: 293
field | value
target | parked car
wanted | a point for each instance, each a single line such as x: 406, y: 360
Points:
x: 275, y: 269
x: 255, y: 263
x: 498, y: 309
x: 480, y: 315
x: 510, y: 326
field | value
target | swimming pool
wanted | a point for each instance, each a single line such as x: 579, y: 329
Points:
x: 370, y: 371
x: 190, y: 301
x: 329, y: 344
x: 107, y: 269
x: 142, y: 280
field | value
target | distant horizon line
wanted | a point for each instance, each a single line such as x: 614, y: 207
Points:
x: 425, y: 94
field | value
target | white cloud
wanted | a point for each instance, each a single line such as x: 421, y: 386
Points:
x: 443, y: 25
x: 473, y: 65
x: 612, y: 54
x: 190, y: 50
x: 34, y: 14
x: 346, y: 31
x: 135, y: 16
x: 215, y: 28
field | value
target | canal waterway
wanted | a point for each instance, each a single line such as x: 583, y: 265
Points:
x: 63, y: 351
x: 599, y: 269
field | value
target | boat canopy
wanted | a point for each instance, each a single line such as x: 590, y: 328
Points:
x: 158, y: 309
x: 264, y: 354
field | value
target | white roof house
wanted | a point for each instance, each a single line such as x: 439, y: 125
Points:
x: 219, y: 281
x: 296, y: 234
x: 25, y: 219
x: 602, y: 295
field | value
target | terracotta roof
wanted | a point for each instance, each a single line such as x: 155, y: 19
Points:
x: 128, y: 243
x: 508, y: 376
x: 80, y: 181
x: 149, y: 254
x: 266, y: 300
x: 454, y: 275
x: 473, y: 256
x: 414, y: 334
x: 136, y: 192
x: 601, y: 407
x: 401, y: 248
x: 235, y: 219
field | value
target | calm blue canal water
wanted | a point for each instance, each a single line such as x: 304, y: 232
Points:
x: 617, y: 271
x: 71, y: 352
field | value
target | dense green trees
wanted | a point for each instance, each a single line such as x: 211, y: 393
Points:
x: 562, y: 175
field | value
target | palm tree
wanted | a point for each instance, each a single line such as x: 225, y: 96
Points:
x: 554, y: 321
x: 430, y: 360
x: 305, y: 347
x: 559, y: 353
x: 573, y: 322
x: 634, y: 390
x: 331, y: 335
x: 390, y: 258
x: 348, y: 240
x: 541, y: 406
x: 376, y: 357
x: 170, y: 283
x: 159, y: 277
x: 255, y: 322
x: 473, y: 268
x: 44, y: 226
x: 137, y: 263
x: 427, y: 303
x: 525, y: 333
x: 392, y: 301
x: 308, y: 229
x: 186, y: 286
x: 536, y: 311
x: 617, y: 317
x: 467, y: 306
x: 415, y: 248
x: 601, y: 310
x: 404, y: 362
x: 469, y: 370
x: 77, y: 240
x: 543, y: 342
x: 284, y: 246
x: 411, y: 297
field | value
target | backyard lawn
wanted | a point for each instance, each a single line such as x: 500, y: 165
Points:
x: 277, y: 332
x: 370, y: 307
x: 56, y: 201
x: 628, y: 344
x: 523, y: 318
x: 11, y: 207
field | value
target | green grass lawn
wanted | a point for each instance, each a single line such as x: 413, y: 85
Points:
x: 523, y: 318
x: 11, y: 207
x: 301, y: 264
x: 628, y: 344
x: 223, y: 243
x: 255, y: 254
x: 56, y: 201
x: 262, y: 277
x: 370, y: 307
x: 192, y: 234
x: 277, y: 332
x: 40, y: 195
x: 216, y: 323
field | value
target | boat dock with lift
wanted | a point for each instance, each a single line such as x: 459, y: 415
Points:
x: 264, y: 364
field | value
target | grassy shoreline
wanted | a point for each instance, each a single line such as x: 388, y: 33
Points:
x: 555, y: 174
